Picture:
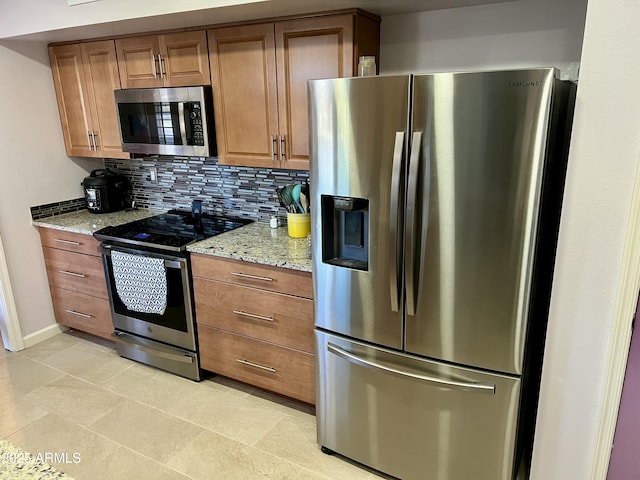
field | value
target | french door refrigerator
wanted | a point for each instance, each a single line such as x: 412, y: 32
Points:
x: 436, y: 203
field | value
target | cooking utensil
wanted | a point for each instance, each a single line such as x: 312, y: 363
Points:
x: 280, y: 199
x: 295, y: 194
x: 304, y: 202
x: 287, y: 199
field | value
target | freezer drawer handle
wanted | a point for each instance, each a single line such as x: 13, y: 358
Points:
x: 253, y: 315
x: 255, y: 365
x: 439, y: 382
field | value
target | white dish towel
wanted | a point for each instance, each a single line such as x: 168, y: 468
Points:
x: 141, y: 282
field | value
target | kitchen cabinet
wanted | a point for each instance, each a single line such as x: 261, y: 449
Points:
x: 77, y: 282
x: 170, y: 60
x: 255, y: 324
x: 85, y: 76
x: 259, y: 75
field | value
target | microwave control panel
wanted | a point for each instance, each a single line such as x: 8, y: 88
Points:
x: 195, y: 133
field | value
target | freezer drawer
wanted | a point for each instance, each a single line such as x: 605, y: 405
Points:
x: 412, y: 418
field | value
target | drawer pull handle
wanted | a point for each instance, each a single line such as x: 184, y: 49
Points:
x: 79, y: 314
x: 252, y: 277
x: 256, y: 365
x: 68, y: 242
x: 253, y: 315
x: 73, y: 274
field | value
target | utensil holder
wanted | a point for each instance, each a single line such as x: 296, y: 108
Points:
x: 298, y: 224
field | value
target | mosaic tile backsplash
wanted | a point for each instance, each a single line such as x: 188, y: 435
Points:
x: 58, y: 208
x: 223, y: 189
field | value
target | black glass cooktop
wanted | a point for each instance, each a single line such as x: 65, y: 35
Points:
x: 173, y: 230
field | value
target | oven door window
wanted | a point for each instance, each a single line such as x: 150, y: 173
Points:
x: 150, y: 123
x: 175, y: 314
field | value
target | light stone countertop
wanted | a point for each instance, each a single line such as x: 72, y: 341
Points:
x: 258, y: 243
x: 83, y: 221
x: 18, y: 464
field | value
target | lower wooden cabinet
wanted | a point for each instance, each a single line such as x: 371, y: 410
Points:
x: 255, y: 324
x: 82, y: 312
x: 269, y: 316
x: 77, y: 282
x: 273, y: 367
x: 76, y: 272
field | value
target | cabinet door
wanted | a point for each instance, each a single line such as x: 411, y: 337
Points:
x: 138, y: 62
x: 72, y: 95
x: 184, y: 59
x: 307, y: 49
x: 82, y: 312
x: 243, y: 74
x: 101, y: 73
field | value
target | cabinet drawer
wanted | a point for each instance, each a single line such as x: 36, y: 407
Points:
x: 275, y: 279
x: 272, y: 367
x: 269, y: 316
x: 72, y: 242
x: 82, y: 312
x: 77, y: 272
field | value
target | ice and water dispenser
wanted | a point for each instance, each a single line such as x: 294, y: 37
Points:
x: 345, y: 231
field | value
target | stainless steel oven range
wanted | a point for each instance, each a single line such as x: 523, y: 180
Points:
x: 149, y: 283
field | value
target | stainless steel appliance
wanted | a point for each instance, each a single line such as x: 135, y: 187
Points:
x: 104, y: 191
x: 438, y: 201
x: 149, y: 283
x: 167, y: 121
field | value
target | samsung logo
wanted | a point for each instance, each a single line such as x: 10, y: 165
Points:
x: 524, y: 84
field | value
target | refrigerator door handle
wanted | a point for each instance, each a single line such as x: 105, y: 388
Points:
x: 438, y: 382
x: 412, y: 193
x: 396, y: 175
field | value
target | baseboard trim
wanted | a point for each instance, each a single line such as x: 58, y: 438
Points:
x: 44, y: 334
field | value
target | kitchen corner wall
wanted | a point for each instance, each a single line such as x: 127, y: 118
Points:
x: 223, y: 189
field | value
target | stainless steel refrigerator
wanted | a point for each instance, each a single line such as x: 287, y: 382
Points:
x: 436, y: 204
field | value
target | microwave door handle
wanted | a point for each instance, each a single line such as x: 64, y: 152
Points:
x: 183, y: 123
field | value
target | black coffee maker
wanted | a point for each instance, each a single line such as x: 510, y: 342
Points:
x: 105, y: 191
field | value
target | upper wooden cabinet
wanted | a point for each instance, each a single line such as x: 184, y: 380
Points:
x: 169, y: 60
x: 259, y: 75
x: 85, y: 76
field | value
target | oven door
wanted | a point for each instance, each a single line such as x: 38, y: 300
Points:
x: 172, y: 322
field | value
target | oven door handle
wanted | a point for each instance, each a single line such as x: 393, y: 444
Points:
x: 169, y: 261
x: 174, y: 264
x: 122, y: 338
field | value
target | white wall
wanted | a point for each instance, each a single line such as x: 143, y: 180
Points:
x: 25, y: 17
x: 34, y: 170
x: 602, y: 167
x: 519, y: 34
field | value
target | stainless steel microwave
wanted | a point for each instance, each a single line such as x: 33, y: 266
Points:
x: 167, y: 121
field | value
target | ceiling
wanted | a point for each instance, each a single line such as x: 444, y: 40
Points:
x: 251, y: 11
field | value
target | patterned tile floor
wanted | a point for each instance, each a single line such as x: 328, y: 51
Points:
x: 105, y: 417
